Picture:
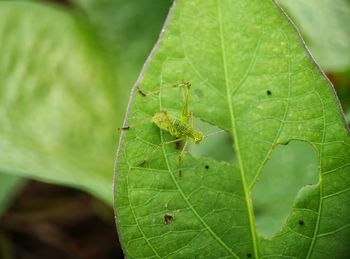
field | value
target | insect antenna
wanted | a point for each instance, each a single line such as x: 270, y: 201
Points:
x: 213, y: 133
x: 182, y: 84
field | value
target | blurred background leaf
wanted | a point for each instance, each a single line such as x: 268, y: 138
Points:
x: 325, y: 25
x: 58, y: 101
x: 65, y: 81
x: 129, y: 30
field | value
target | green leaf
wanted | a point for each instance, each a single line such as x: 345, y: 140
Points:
x: 252, y: 77
x: 9, y: 185
x: 325, y: 25
x: 59, y: 104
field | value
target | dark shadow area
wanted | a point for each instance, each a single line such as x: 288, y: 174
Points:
x: 50, y: 221
x: 67, y: 3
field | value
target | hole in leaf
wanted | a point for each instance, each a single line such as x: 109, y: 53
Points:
x: 217, y: 145
x: 289, y: 168
x: 168, y: 218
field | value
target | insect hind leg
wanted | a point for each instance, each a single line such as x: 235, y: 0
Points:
x: 182, y: 153
x: 181, y: 157
x: 143, y: 162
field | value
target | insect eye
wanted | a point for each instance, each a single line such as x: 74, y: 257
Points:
x: 198, y: 139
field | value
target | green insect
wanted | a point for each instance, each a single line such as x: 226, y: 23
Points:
x: 180, y: 128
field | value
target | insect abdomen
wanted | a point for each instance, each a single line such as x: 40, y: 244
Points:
x: 184, y: 130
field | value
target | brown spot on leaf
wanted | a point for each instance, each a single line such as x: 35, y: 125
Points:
x: 141, y: 92
x: 168, y: 218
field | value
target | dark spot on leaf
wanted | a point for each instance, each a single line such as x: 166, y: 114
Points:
x: 249, y: 255
x: 301, y: 222
x: 143, y: 162
x: 125, y: 128
x: 168, y: 218
x: 268, y: 92
x: 206, y: 166
x: 141, y: 92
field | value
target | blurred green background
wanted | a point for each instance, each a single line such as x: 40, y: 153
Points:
x: 66, y: 71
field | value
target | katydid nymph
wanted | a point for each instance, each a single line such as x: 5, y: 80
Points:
x: 178, y: 127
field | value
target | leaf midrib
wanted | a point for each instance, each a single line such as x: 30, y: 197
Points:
x: 234, y: 133
x: 217, y: 238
